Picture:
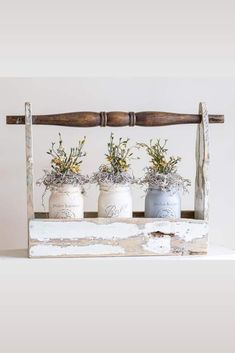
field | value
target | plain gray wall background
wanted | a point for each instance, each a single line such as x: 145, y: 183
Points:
x: 51, y: 95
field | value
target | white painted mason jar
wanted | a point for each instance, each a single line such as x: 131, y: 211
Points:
x: 66, y: 201
x: 162, y: 204
x: 115, y: 201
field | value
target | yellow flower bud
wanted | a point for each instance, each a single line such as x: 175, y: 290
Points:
x: 75, y: 168
x: 56, y: 161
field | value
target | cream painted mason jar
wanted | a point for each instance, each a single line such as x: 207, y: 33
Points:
x: 115, y: 201
x: 162, y: 204
x: 66, y: 201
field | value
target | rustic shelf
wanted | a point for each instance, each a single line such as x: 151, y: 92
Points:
x: 137, y: 236
x: 136, y: 214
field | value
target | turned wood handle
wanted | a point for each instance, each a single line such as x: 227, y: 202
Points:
x: 91, y: 119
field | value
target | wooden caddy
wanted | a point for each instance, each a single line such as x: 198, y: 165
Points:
x: 137, y: 236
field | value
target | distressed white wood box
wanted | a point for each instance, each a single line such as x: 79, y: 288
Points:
x: 137, y: 236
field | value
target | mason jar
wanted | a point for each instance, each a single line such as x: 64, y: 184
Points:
x: 162, y: 204
x: 115, y: 201
x: 66, y: 201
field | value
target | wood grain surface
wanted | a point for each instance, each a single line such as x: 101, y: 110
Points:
x: 91, y: 119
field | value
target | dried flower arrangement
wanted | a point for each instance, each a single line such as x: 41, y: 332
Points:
x: 116, y: 171
x: 162, y: 172
x: 65, y: 167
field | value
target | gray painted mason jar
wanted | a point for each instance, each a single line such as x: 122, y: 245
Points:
x: 162, y: 204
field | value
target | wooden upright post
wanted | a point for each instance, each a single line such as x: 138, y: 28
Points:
x: 29, y: 161
x: 202, y: 166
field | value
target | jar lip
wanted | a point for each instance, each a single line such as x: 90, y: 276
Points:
x: 67, y: 187
x: 156, y: 187
x: 110, y: 186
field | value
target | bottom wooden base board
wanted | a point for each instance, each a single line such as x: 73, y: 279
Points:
x: 117, y: 237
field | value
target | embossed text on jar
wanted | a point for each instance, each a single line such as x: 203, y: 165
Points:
x: 66, y: 202
x: 115, y: 201
x: 162, y: 204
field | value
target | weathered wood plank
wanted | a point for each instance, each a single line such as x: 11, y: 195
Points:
x: 202, y: 166
x: 117, y: 237
x: 89, y: 119
x: 29, y: 160
x: 29, y: 163
x: 184, y: 214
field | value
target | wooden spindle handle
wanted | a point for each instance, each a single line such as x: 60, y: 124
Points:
x: 115, y: 119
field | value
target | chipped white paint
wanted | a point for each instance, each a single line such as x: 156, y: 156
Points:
x: 135, y: 236
x: 165, y: 227
x: 159, y: 245
x: 43, y: 230
x: 55, y: 250
x: 189, y: 230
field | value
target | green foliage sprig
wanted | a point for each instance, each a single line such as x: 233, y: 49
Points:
x: 162, y: 172
x: 62, y: 161
x: 158, y: 155
x: 116, y: 171
x: 118, y: 155
x: 65, y: 166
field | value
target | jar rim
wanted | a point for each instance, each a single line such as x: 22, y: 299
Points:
x: 67, y: 186
x: 156, y: 187
x: 107, y: 186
